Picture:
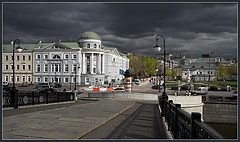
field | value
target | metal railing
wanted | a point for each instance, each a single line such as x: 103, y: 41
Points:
x: 183, y: 125
x: 41, y: 97
x: 207, y: 98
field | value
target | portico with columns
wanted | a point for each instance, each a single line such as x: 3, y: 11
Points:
x: 95, y: 64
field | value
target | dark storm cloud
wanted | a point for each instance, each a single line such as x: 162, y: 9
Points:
x: 131, y: 27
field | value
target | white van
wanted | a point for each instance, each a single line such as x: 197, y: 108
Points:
x: 201, y: 91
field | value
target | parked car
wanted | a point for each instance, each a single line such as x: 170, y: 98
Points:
x: 186, y: 87
x: 200, y: 91
x: 57, y: 85
x: 119, y: 89
x: 175, y: 87
x: 137, y: 81
x: 213, y: 88
x: 157, y: 86
x: 44, y: 86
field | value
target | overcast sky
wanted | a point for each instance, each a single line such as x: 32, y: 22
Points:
x: 190, y: 28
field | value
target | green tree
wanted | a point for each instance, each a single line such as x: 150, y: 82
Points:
x: 232, y: 70
x: 221, y: 71
x: 142, y: 65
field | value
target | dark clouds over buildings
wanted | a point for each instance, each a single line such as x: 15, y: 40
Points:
x: 190, y: 28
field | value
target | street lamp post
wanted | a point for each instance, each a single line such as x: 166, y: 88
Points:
x: 76, y: 68
x: 71, y: 81
x: 158, y: 49
x: 14, y: 94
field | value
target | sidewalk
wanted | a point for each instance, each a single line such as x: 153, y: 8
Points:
x: 70, y: 122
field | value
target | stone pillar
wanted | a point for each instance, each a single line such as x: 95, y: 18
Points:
x: 83, y: 63
x: 103, y: 63
x: 91, y: 63
x: 99, y: 63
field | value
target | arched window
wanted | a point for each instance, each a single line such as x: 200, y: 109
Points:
x: 99, y: 46
x: 95, y: 45
x: 88, y: 45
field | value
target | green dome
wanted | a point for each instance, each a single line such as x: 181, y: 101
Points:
x: 90, y: 35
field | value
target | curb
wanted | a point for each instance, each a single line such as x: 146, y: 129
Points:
x: 115, y: 115
x: 38, y: 105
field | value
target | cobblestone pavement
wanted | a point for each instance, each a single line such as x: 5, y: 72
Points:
x: 69, y: 122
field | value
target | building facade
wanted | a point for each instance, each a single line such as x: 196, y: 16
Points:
x: 202, y: 68
x: 87, y: 61
x: 23, y: 65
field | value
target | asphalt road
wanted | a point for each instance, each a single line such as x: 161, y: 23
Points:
x: 145, y: 87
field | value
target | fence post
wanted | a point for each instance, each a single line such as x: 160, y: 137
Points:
x: 66, y: 93
x: 57, y: 96
x: 162, y: 106
x: 46, y: 97
x: 165, y: 104
x: 168, y: 114
x: 194, y: 116
x: 33, y: 98
x: 175, y: 133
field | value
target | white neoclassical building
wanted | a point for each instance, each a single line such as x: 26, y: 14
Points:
x: 87, y: 60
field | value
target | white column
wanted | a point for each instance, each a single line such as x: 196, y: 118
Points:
x: 91, y: 63
x: 83, y: 63
x: 103, y: 63
x: 99, y: 63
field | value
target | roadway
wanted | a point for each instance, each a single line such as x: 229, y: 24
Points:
x: 145, y: 87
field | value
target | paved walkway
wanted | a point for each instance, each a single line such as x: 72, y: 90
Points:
x: 142, y: 121
x: 71, y: 122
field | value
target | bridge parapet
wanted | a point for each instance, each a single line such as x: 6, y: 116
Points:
x: 184, y: 125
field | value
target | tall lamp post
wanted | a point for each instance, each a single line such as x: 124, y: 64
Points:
x: 14, y: 94
x: 158, y: 49
x: 76, y: 68
x: 71, y: 75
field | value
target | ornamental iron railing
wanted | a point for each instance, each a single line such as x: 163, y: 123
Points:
x: 183, y: 125
x: 41, y: 97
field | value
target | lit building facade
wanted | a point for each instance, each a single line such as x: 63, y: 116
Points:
x: 23, y: 65
x: 87, y: 61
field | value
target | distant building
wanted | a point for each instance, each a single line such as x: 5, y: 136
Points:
x: 23, y: 65
x: 93, y: 63
x: 200, y: 68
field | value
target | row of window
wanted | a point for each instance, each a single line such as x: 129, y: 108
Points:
x: 55, y: 68
x: 95, y: 46
x: 17, y: 57
x: 23, y: 79
x: 202, y: 72
x: 58, y: 79
x: 45, y: 56
x: 23, y: 67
